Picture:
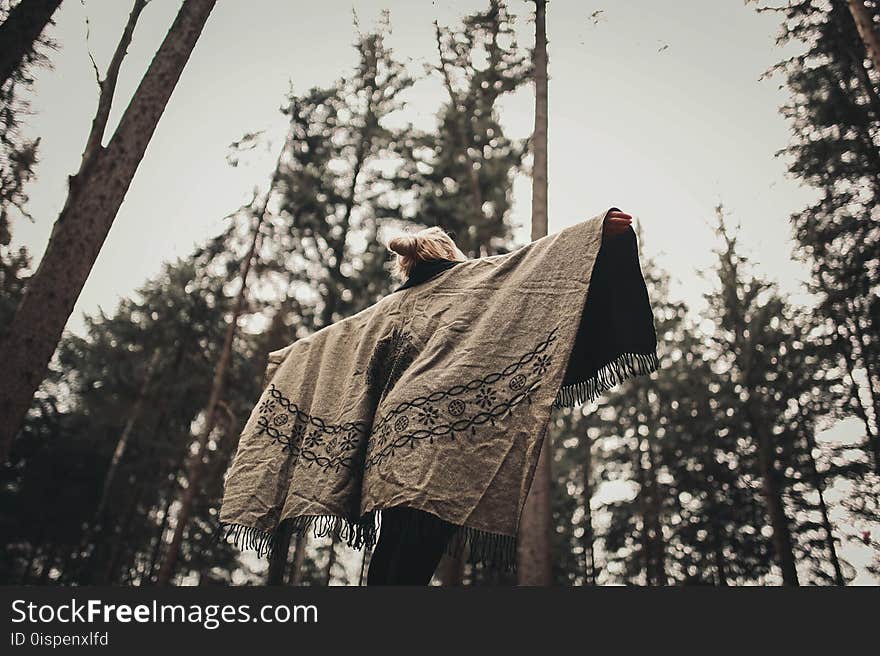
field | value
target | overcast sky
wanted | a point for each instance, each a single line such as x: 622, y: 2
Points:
x: 656, y: 108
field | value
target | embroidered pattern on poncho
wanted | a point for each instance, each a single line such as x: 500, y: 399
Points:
x: 305, y: 436
x: 444, y: 413
x: 438, y: 397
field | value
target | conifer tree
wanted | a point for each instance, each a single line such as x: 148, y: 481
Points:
x: 834, y: 115
x: 461, y: 175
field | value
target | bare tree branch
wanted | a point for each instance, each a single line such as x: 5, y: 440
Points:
x: 108, y: 85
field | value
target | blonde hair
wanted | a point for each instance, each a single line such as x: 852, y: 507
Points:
x: 428, y: 244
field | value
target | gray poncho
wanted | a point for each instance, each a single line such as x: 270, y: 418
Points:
x: 438, y: 396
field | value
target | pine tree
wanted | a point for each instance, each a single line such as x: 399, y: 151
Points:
x: 20, y: 34
x: 834, y: 114
x: 461, y: 175
x: 782, y: 390
x: 67, y: 449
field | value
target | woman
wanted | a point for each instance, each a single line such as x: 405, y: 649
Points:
x: 424, y: 414
x: 410, y: 558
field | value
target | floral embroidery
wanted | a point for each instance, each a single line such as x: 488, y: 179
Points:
x: 424, y: 419
x: 428, y: 415
x: 309, y: 439
x: 493, y: 398
x: 298, y: 431
x: 485, y: 397
x: 314, y: 439
x: 540, y: 365
x: 348, y: 442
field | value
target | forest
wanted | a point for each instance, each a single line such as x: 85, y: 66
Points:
x: 718, y: 470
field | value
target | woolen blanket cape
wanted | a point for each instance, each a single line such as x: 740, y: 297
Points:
x: 438, y: 397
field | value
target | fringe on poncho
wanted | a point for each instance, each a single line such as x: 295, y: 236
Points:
x: 438, y: 397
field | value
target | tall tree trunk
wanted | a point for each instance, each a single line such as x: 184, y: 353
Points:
x: 196, y: 463
x: 871, y: 377
x: 113, y: 560
x: 121, y: 445
x: 362, y: 150
x: 299, y: 556
x: 331, y: 561
x: 278, y: 562
x: 534, y: 565
x: 94, y: 198
x: 589, y: 534
x: 534, y: 558
x: 872, y: 438
x: 450, y: 571
x: 819, y: 484
x: 718, y: 536
x: 539, y: 139
x: 844, y: 338
x: 865, y: 24
x: 718, y: 549
x: 125, y: 437
x: 652, y: 520
x: 210, y: 415
x: 160, y: 534
x: 858, y: 62
x: 335, y: 271
x: 644, y: 504
x: 782, y: 542
x: 107, y: 88
x: 20, y: 31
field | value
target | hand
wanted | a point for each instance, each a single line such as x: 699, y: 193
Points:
x: 616, y: 223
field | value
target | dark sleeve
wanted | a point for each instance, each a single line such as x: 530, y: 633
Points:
x: 616, y: 338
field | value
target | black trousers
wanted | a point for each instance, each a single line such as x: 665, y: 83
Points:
x: 409, y: 548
